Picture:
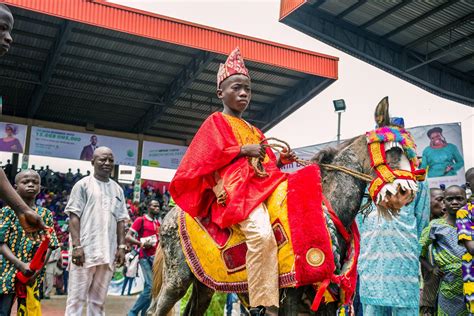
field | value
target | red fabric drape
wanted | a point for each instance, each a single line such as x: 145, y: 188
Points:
x: 215, y: 148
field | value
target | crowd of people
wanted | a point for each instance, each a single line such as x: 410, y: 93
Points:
x: 392, y: 250
x: 90, y: 225
x: 59, y: 202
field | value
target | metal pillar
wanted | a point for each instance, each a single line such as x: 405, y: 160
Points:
x: 339, y: 127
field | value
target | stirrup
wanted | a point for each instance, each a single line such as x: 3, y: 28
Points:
x: 257, y: 311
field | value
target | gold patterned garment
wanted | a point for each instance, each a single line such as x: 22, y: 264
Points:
x: 245, y: 133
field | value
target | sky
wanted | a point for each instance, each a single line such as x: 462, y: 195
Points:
x: 361, y: 85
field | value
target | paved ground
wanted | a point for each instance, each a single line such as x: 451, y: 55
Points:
x: 115, y: 305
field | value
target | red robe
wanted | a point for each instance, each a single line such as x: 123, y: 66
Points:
x: 215, y: 148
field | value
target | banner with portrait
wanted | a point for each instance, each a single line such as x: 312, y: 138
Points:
x: 162, y: 155
x: 76, y: 145
x: 13, y: 137
x: 440, y: 149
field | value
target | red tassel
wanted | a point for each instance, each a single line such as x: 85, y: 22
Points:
x: 319, y: 294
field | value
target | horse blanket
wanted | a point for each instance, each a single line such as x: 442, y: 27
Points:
x: 217, y: 256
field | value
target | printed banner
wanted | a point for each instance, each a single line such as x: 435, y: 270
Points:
x: 162, y: 155
x: 13, y: 137
x: 439, y: 146
x: 76, y: 145
x: 440, y: 149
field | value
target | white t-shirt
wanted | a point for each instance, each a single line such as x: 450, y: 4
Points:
x: 100, y: 206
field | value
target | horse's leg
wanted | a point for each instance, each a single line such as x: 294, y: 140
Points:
x: 177, y: 277
x: 199, y: 301
x: 176, y: 282
x: 169, y: 295
x: 291, y: 304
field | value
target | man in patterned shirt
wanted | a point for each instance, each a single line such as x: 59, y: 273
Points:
x: 464, y: 223
x: 16, y: 248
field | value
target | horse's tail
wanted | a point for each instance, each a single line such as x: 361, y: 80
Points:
x: 157, y: 272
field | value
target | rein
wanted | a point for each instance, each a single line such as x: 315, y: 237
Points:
x: 285, y: 147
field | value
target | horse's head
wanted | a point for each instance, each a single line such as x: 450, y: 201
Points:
x: 392, y: 153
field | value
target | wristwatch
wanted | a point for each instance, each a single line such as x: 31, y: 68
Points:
x: 124, y: 247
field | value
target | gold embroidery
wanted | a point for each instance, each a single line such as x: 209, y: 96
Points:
x: 244, y: 132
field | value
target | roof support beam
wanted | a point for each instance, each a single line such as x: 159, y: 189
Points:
x: 453, y: 46
x: 104, y: 75
x: 114, y: 52
x: 440, y: 31
x: 351, y: 8
x: 46, y: 74
x: 420, y: 18
x: 119, y: 66
x: 316, y: 3
x: 460, y: 60
x: 189, y: 73
x: 130, y: 40
x: 385, y: 14
x: 443, y: 51
x: 385, y: 54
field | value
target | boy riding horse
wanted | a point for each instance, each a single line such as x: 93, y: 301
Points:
x: 215, y: 174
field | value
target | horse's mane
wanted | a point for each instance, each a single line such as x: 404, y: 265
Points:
x: 327, y: 155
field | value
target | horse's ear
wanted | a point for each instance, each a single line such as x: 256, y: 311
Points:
x: 382, y: 118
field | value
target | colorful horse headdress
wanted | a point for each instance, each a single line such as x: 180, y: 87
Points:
x: 388, y: 181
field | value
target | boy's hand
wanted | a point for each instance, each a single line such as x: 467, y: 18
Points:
x: 78, y: 257
x: 436, y: 271
x: 31, y: 223
x: 25, y: 269
x: 253, y: 150
x: 287, y: 157
x: 32, y: 280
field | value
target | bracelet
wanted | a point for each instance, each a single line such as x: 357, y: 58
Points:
x: 76, y: 247
x: 122, y: 247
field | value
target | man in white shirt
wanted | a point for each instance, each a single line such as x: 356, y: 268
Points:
x: 97, y: 214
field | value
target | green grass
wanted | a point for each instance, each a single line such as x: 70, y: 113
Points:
x: 216, y: 307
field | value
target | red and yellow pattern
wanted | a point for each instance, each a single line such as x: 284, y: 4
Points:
x: 212, y: 269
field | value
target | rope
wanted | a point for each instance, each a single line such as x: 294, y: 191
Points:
x: 260, y: 171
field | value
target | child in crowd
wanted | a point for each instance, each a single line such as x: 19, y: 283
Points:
x: 465, y: 222
x: 16, y: 248
x: 430, y: 280
x: 447, y: 253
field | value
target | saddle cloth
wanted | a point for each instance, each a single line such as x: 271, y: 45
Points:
x: 217, y: 256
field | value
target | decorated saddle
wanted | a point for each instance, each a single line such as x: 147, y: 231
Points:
x: 299, y: 215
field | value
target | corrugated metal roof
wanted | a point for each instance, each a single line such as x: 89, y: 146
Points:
x: 146, y: 24
x: 78, y: 73
x: 428, y: 43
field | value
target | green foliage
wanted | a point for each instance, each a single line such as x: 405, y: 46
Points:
x: 215, y: 308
